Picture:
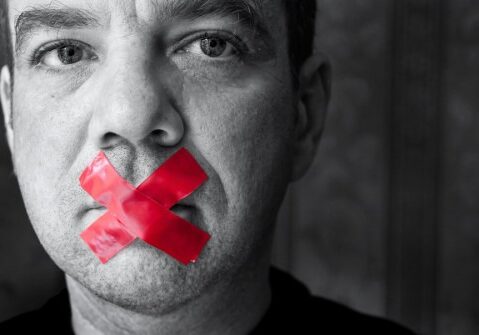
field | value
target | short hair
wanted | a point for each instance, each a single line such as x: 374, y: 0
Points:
x: 300, y: 20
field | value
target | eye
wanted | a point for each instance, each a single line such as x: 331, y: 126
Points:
x: 214, y: 47
x: 62, y: 54
x: 69, y: 54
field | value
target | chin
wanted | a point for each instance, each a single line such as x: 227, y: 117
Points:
x: 145, y: 280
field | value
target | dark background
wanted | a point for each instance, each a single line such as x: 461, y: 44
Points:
x: 387, y: 220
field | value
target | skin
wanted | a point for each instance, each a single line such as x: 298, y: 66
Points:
x: 140, y: 95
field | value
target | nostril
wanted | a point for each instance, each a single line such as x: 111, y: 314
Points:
x: 158, y: 132
x: 164, y: 137
x: 159, y: 135
x: 109, y: 139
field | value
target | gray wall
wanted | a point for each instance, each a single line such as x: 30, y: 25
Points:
x: 386, y: 219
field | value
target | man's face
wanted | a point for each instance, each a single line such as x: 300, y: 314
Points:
x: 138, y: 80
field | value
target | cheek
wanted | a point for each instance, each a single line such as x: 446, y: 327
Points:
x: 47, y: 137
x: 245, y: 133
x: 47, y: 125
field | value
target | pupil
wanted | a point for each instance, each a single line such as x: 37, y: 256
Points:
x: 213, y: 47
x: 70, y: 54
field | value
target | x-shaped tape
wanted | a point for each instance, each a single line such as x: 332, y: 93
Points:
x: 144, y: 212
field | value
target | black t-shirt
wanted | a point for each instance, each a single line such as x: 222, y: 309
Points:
x: 293, y: 310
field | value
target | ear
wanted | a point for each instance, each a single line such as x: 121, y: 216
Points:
x: 313, y: 99
x: 6, y: 101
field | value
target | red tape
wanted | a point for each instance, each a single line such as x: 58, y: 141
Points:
x: 144, y: 212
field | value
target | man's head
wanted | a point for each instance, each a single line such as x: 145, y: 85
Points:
x: 233, y: 81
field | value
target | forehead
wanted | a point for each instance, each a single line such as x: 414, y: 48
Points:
x: 266, y: 14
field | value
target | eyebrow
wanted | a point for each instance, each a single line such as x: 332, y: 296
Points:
x: 247, y: 13
x: 54, y: 18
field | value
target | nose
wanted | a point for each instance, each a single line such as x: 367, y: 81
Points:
x: 133, y: 104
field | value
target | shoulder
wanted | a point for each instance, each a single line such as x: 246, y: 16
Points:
x: 52, y: 317
x: 339, y: 318
x: 294, y: 308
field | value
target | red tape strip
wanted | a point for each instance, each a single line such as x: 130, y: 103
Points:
x: 143, y: 212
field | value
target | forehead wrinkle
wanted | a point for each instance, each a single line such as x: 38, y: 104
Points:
x: 50, y: 16
x: 248, y: 12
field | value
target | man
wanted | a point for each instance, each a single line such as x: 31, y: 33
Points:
x: 234, y: 82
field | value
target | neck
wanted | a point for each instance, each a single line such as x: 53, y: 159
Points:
x: 230, y: 307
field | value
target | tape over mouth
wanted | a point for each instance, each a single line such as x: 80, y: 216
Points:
x: 144, y: 212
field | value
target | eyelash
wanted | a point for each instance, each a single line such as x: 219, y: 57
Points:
x: 37, y: 55
x: 237, y: 43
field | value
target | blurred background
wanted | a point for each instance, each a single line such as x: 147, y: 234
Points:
x: 387, y: 220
